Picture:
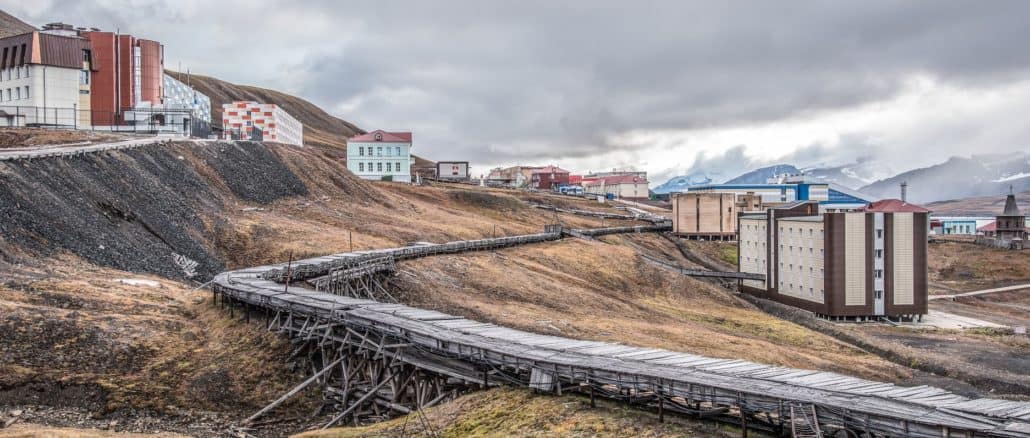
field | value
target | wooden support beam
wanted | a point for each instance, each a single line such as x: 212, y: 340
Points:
x: 291, y: 392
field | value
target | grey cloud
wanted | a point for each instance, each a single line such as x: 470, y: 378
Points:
x: 497, y: 82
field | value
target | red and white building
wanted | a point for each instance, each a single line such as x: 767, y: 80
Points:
x: 244, y: 117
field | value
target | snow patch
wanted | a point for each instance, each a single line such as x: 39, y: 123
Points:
x: 139, y: 282
x: 1013, y: 177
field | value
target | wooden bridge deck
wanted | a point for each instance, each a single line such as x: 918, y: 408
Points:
x: 452, y: 346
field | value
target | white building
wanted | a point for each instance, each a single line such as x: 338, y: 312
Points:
x: 44, y: 79
x: 621, y: 186
x: 272, y: 122
x: 380, y: 155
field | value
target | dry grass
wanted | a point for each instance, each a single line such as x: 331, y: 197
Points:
x: 142, y: 346
x: 38, y: 431
x: 516, y: 412
x: 959, y: 266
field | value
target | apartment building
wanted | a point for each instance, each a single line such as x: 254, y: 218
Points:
x: 40, y: 70
x: 859, y: 264
x: 380, y: 155
x: 630, y: 186
x: 707, y: 216
x: 263, y: 121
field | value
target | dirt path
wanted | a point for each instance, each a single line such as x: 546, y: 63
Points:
x: 982, y: 292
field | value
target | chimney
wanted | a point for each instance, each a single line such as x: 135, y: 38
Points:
x: 904, y: 191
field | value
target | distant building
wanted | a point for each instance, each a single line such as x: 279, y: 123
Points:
x: 707, y: 216
x: 452, y: 170
x: 548, y: 177
x: 181, y: 96
x: 1009, y: 229
x: 859, y: 264
x: 127, y: 79
x: 265, y: 121
x: 380, y: 155
x: 620, y: 186
x: 831, y: 197
x: 957, y: 225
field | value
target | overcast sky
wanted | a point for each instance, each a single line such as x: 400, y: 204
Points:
x: 667, y: 87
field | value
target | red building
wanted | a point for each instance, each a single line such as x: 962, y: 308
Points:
x: 127, y: 73
x: 549, y: 177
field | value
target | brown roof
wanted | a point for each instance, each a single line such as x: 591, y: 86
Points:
x: 42, y: 48
x: 1011, y: 209
x: 895, y: 206
x: 402, y: 137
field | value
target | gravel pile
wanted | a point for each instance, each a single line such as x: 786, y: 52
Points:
x: 252, y: 172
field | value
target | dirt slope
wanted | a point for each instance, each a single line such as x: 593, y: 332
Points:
x: 977, y: 206
x: 11, y: 25
x: 320, y: 127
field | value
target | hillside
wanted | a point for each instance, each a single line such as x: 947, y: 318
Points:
x: 98, y: 254
x: 11, y: 25
x: 320, y: 127
x: 977, y: 205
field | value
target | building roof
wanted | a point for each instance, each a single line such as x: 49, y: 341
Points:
x: 550, y: 169
x: 396, y: 137
x: 1011, y: 209
x: 617, y: 179
x: 895, y: 206
x: 993, y: 226
x: 44, y: 49
x: 801, y: 218
x: 575, y: 179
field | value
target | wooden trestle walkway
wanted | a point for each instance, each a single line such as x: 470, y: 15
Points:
x: 377, y: 359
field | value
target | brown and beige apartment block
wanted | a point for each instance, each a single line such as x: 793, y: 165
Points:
x: 862, y: 264
x: 708, y: 216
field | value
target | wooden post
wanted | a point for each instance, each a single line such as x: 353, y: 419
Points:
x: 289, y: 266
x: 661, y: 408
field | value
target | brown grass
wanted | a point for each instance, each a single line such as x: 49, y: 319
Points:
x: 19, y: 430
x: 959, y: 266
x: 517, y: 412
x: 144, y: 347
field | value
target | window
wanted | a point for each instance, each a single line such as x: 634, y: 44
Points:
x: 879, y: 253
x: 17, y: 92
x: 398, y: 166
x: 389, y: 167
x: 26, y: 71
x: 379, y: 167
x: 84, y: 77
x: 879, y: 234
x: 87, y: 56
x: 379, y: 152
x: 26, y: 91
x: 361, y: 151
x: 361, y: 167
x: 398, y: 151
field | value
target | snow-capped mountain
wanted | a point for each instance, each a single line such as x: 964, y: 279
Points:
x: 762, y: 175
x: 979, y: 175
x: 682, y: 183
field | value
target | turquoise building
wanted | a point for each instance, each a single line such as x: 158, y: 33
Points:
x: 380, y: 156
